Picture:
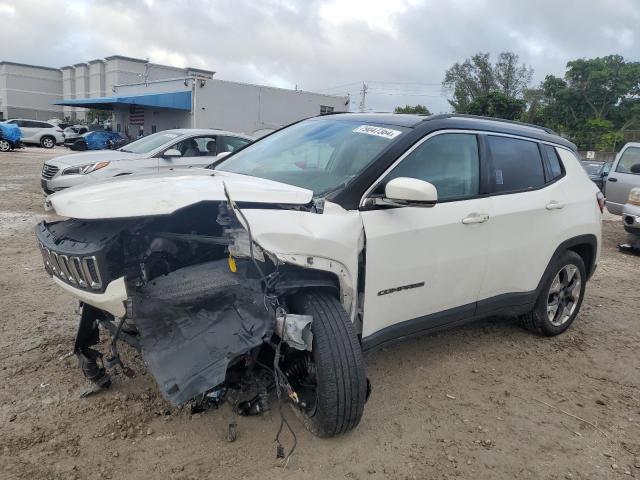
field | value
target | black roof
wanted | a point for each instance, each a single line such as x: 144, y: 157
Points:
x: 458, y: 121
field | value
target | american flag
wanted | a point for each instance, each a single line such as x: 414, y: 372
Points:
x: 136, y: 115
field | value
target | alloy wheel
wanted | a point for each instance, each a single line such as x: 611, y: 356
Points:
x: 564, y: 295
x: 47, y: 143
x: 4, y: 146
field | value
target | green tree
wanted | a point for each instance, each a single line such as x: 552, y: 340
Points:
x: 417, y: 109
x: 476, y: 78
x: 594, y: 103
x: 95, y: 115
x: 496, y: 104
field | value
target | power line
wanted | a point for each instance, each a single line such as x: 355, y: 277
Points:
x: 339, y: 86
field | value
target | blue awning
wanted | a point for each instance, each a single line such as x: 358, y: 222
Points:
x: 175, y: 100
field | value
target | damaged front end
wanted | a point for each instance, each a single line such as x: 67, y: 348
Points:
x: 202, y: 301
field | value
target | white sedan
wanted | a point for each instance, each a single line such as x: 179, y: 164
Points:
x: 162, y: 151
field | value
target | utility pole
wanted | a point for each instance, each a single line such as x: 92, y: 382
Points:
x: 363, y: 97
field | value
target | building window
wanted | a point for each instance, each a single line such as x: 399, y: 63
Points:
x: 325, y: 109
x: 154, y: 128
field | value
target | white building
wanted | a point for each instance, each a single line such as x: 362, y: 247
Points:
x: 147, y: 97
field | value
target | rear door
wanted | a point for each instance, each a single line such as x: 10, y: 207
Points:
x: 621, y: 180
x: 527, y: 202
x: 425, y: 266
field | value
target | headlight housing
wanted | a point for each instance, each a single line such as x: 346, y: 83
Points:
x: 634, y: 196
x: 84, y: 169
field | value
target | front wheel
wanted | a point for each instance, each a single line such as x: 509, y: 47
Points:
x: 5, y: 146
x: 47, y: 142
x: 332, y: 378
x: 560, y: 297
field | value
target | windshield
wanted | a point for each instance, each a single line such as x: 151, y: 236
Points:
x: 592, y: 168
x: 322, y: 155
x: 150, y: 143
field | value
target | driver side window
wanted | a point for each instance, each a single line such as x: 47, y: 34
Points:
x: 629, y: 158
x: 449, y: 161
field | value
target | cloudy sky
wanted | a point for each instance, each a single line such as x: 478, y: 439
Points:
x: 400, y: 47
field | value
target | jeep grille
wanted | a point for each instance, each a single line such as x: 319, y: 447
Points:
x: 82, y: 272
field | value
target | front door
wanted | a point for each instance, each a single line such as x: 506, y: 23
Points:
x: 425, y: 266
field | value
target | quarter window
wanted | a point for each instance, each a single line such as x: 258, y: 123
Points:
x: 449, y: 161
x: 555, y: 167
x: 629, y: 158
x: 516, y: 164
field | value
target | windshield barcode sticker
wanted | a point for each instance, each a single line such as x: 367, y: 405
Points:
x: 377, y: 131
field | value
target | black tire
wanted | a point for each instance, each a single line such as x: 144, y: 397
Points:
x: 5, y: 146
x: 538, y: 320
x: 341, y: 381
x: 79, y: 146
x: 47, y: 142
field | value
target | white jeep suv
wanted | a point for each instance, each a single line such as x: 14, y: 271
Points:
x: 35, y: 132
x: 279, y: 265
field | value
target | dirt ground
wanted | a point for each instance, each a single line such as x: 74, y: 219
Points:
x: 486, y: 401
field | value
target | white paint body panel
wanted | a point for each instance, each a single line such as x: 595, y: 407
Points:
x: 163, y: 194
x: 411, y: 245
x: 330, y: 241
x: 112, y: 300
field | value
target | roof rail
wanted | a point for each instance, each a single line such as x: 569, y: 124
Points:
x: 479, y: 117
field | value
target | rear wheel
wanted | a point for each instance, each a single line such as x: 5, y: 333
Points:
x: 79, y: 145
x: 47, y: 142
x: 331, y: 380
x: 560, y: 298
x: 5, y: 146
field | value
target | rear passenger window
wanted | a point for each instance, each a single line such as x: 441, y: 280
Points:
x: 517, y: 164
x: 555, y: 167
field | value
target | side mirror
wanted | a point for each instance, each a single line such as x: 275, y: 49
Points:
x: 405, y: 192
x: 221, y: 155
x: 635, y: 168
x: 411, y: 191
x: 172, y: 153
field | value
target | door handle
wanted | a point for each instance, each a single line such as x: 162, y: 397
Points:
x: 475, y: 218
x: 612, y: 179
x: 554, y: 205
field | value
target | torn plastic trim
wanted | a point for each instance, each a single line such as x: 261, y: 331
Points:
x: 294, y: 329
x: 341, y: 272
x: 190, y: 338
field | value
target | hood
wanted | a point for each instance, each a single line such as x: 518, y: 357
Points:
x: 83, y: 158
x: 163, y: 194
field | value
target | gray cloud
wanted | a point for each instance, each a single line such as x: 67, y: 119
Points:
x: 402, y: 47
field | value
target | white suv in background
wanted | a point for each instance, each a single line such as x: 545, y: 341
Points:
x: 281, y: 263
x: 40, y: 133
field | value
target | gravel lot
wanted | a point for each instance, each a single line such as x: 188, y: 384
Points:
x: 487, y: 401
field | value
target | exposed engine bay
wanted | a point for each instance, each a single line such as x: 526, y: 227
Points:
x: 206, y: 305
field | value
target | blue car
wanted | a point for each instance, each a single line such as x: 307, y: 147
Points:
x: 99, y: 140
x: 10, y: 136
